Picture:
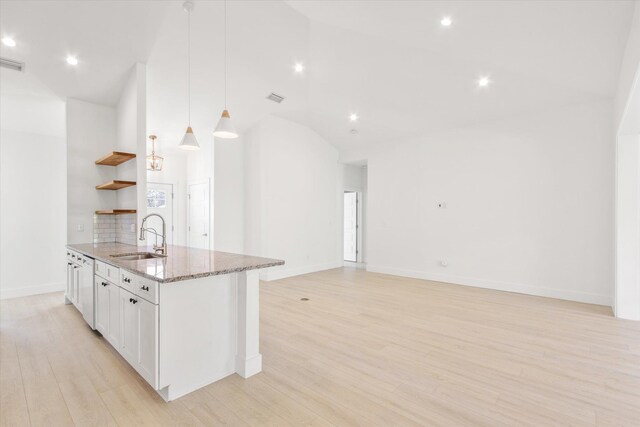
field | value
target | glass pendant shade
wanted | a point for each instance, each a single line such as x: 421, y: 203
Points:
x: 224, y: 128
x: 154, y: 162
x: 189, y: 141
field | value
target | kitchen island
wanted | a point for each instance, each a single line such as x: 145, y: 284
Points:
x: 183, y: 320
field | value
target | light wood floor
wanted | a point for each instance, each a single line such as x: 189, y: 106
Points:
x: 366, y: 349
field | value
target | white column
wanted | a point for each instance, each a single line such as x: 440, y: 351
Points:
x: 627, y: 293
x: 248, y: 357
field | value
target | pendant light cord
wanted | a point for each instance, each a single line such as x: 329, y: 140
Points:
x: 225, y: 54
x: 189, y: 62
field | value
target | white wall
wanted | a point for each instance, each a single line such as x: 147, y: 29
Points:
x: 528, y: 205
x: 292, y: 198
x: 33, y: 189
x: 200, y: 168
x: 229, y: 195
x: 174, y: 171
x: 126, y: 140
x: 132, y: 137
x: 91, y: 134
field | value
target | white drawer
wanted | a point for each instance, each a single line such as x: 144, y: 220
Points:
x: 72, y: 255
x: 147, y: 289
x: 108, y: 271
x: 144, y: 288
x: 128, y: 281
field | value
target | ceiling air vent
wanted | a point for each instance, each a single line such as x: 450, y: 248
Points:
x: 12, y: 65
x: 275, y: 97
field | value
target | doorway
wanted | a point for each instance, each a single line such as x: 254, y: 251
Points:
x: 160, y: 201
x: 351, y: 226
x: 198, y: 215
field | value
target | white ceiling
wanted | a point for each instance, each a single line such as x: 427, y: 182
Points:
x: 108, y: 37
x: 389, y: 61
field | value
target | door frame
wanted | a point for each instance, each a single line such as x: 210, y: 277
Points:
x: 359, y: 228
x: 189, y: 184
x: 174, y: 189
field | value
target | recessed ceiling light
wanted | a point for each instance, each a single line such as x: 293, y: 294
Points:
x: 8, y: 41
x: 353, y: 117
x: 72, y: 60
x: 299, y: 67
x: 446, y: 21
x: 483, y: 81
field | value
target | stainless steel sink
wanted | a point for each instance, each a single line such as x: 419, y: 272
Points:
x: 138, y: 256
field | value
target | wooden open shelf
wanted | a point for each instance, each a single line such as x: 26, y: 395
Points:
x: 115, y: 158
x: 116, y: 212
x: 115, y: 185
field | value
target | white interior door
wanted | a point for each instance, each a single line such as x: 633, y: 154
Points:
x: 160, y: 201
x: 198, y: 230
x: 351, y: 226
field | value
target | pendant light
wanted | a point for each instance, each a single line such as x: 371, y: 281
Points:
x: 154, y: 162
x: 189, y: 141
x: 224, y: 128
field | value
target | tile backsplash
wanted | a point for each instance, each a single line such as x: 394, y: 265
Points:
x: 114, y: 228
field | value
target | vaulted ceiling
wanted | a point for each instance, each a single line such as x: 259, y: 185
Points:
x: 391, y: 62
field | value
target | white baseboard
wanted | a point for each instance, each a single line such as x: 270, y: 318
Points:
x: 496, y: 285
x: 352, y: 264
x: 278, y: 273
x: 31, y: 290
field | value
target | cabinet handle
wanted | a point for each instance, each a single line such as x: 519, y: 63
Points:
x: 145, y: 288
x: 104, y: 284
x: 133, y: 301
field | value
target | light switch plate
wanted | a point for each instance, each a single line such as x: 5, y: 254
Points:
x: 80, y: 228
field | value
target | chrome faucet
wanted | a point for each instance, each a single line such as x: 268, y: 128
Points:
x: 162, y: 249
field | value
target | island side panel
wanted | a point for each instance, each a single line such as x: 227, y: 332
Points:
x: 198, y: 332
x: 248, y: 359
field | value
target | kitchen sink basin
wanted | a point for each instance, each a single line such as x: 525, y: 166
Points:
x: 138, y: 256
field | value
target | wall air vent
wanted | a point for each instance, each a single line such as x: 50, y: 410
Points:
x: 11, y: 64
x: 275, y: 97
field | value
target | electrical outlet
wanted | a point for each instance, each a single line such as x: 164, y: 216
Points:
x: 443, y: 263
x: 132, y: 228
x: 80, y: 228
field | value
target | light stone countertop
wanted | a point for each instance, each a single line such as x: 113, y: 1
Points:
x: 181, y: 263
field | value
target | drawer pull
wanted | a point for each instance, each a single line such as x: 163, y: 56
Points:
x: 145, y: 288
x: 133, y: 301
x: 104, y: 284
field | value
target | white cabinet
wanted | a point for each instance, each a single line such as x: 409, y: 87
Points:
x: 76, y: 286
x: 129, y: 327
x: 139, y: 335
x: 72, y: 292
x: 86, y: 290
x: 69, y: 292
x: 148, y: 339
x: 113, y: 334
x: 102, y: 306
x: 108, y: 310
